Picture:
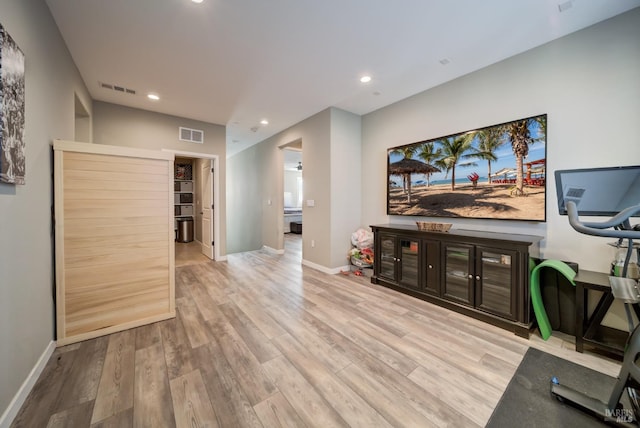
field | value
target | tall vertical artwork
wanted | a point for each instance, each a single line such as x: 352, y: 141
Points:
x: 12, y: 155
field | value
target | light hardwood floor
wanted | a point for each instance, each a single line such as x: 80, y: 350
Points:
x: 260, y: 340
x: 189, y: 253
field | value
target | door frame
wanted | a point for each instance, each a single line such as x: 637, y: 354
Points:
x: 215, y: 164
x: 295, y: 145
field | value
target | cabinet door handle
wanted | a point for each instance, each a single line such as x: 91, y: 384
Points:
x: 470, y: 276
x: 430, y: 266
x: 478, y: 277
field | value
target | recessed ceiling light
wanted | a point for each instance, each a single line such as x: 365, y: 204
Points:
x: 264, y: 122
x: 153, y: 97
x: 365, y: 79
x: 197, y: 1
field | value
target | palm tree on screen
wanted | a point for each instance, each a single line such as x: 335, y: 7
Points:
x: 520, y: 138
x: 428, y: 153
x: 454, y: 149
x: 489, y: 141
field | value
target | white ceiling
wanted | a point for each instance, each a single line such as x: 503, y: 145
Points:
x: 235, y: 62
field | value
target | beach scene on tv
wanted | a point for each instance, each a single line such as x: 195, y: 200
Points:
x: 496, y: 172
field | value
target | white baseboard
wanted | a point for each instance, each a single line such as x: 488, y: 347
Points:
x: 330, y: 271
x: 18, y: 400
x: 221, y: 259
x: 273, y: 250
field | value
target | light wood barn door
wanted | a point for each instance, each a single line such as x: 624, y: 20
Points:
x: 114, y: 239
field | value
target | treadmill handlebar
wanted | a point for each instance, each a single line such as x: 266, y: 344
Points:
x: 601, y: 228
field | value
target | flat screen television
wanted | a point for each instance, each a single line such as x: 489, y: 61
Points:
x: 598, y: 191
x: 495, y: 172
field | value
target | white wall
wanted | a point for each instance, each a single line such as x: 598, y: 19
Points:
x: 314, y: 133
x: 26, y: 274
x: 261, y: 167
x: 331, y: 142
x: 346, y: 183
x: 588, y: 83
x: 130, y: 127
x: 244, y: 201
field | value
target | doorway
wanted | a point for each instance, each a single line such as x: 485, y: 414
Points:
x: 293, y: 187
x: 292, y: 199
x: 197, y: 219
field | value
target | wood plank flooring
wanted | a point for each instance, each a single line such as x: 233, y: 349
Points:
x: 260, y: 341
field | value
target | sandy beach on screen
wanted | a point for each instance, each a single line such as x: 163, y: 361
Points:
x: 484, y: 201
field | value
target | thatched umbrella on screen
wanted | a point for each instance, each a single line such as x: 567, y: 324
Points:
x: 504, y: 172
x: 406, y: 167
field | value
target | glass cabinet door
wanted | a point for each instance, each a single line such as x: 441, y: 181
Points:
x: 458, y: 278
x: 409, y: 263
x: 496, y: 276
x: 387, y: 256
x: 431, y: 255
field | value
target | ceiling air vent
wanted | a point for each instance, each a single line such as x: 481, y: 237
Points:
x: 191, y: 135
x: 117, y: 88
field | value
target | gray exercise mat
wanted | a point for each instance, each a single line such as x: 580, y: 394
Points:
x: 527, y: 401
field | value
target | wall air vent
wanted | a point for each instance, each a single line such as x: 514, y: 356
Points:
x: 117, y: 88
x: 191, y: 135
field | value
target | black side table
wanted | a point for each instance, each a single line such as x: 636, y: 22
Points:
x: 589, y: 331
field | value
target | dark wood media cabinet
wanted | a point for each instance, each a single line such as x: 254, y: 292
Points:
x: 484, y: 275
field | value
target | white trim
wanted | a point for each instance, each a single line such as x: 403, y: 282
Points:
x: 216, y: 193
x: 18, y: 400
x: 330, y: 271
x: 272, y: 250
x: 103, y: 149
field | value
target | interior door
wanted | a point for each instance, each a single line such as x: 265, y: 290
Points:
x: 207, y: 209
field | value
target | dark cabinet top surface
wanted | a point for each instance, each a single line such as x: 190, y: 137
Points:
x: 458, y: 233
